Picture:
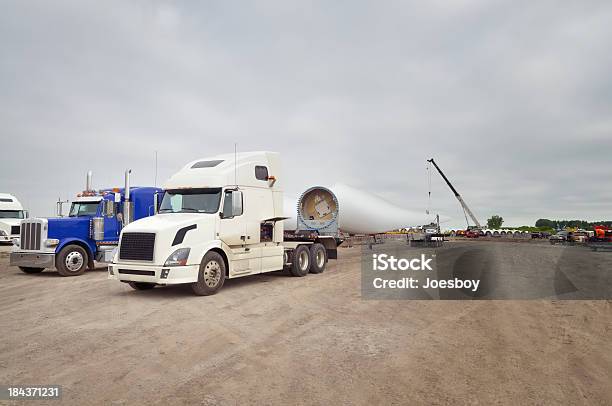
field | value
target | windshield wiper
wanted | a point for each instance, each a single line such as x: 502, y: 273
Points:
x: 189, y: 209
x: 183, y: 210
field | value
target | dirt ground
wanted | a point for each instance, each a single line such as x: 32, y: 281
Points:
x: 275, y: 339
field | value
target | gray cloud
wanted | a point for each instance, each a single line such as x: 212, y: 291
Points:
x: 512, y: 99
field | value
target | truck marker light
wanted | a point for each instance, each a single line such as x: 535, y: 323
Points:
x: 51, y: 242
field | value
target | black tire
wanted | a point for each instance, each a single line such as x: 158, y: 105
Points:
x: 318, y: 258
x: 28, y: 269
x: 300, y: 265
x: 72, y: 260
x: 211, y: 276
x: 141, y: 285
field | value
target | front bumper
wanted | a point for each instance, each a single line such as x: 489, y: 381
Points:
x: 8, y: 238
x: 32, y: 259
x: 154, y: 274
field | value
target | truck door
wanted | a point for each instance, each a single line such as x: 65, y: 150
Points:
x: 233, y: 231
x: 108, y: 210
x: 232, y: 226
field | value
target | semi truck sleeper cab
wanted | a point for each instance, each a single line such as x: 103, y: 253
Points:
x: 220, y: 217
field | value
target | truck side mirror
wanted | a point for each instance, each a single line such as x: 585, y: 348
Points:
x: 236, y: 203
x: 26, y: 214
x: 232, y: 204
x: 108, y: 208
x: 155, y: 203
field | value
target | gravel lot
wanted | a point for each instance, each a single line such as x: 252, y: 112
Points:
x: 277, y: 339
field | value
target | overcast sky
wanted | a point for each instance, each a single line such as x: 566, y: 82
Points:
x: 512, y: 99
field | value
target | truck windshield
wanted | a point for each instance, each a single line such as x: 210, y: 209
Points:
x: 191, y: 201
x: 11, y: 214
x: 83, y: 209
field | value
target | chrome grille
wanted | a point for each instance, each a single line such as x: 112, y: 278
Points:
x: 30, y: 236
x: 137, y: 246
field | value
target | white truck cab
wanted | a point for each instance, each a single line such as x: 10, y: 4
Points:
x: 11, y: 214
x: 219, y: 217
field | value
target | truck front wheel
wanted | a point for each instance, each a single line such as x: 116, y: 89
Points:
x: 72, y: 261
x: 318, y: 258
x: 211, y: 275
x: 28, y: 269
x: 301, y: 261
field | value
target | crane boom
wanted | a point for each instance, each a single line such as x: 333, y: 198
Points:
x: 457, y: 195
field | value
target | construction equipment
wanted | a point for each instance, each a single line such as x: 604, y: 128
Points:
x: 464, y: 206
x: 602, y: 239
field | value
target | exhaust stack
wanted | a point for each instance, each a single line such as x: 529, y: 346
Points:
x: 88, y: 182
x: 127, y: 204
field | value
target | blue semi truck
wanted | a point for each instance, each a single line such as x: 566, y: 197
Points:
x: 90, y: 231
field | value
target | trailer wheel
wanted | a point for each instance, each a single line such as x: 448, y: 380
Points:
x: 318, y: 258
x: 141, y: 285
x: 28, y: 269
x: 211, y: 275
x: 301, y: 261
x: 72, y: 261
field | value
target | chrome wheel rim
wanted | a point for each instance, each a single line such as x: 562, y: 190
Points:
x: 303, y: 260
x: 320, y: 259
x: 74, y: 261
x: 212, y: 274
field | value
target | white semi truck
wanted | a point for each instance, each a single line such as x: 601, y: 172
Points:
x: 222, y: 217
x: 11, y: 214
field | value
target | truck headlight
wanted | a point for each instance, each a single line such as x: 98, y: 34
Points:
x: 2, y: 233
x: 178, y: 257
x: 16, y: 242
x: 51, y: 242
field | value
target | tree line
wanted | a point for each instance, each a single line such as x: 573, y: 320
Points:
x: 561, y: 224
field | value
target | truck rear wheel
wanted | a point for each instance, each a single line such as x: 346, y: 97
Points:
x: 28, y: 269
x: 72, y: 261
x: 301, y: 261
x: 141, y: 285
x: 211, y: 276
x: 318, y: 258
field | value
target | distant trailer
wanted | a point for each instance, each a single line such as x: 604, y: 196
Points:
x: 425, y: 240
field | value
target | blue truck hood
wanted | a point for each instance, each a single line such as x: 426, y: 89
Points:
x: 77, y: 227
